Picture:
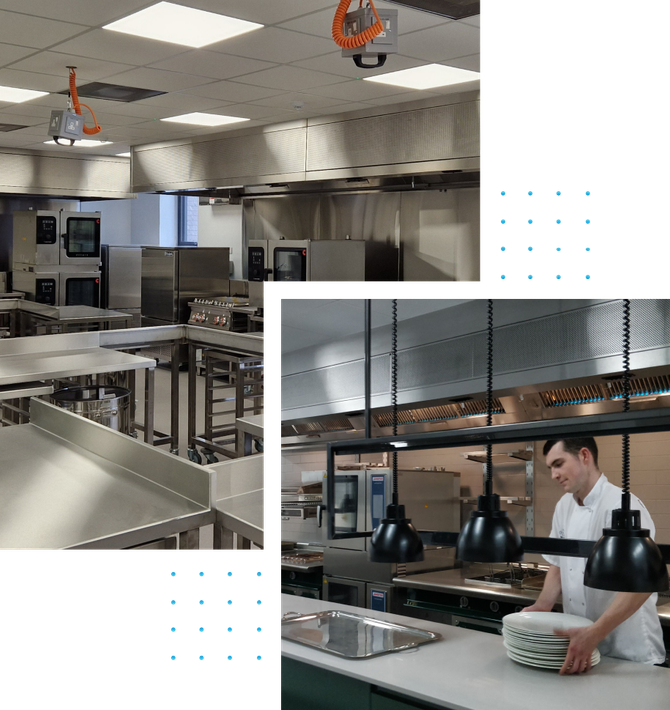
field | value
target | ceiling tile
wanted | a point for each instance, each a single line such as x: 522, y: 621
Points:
x: 403, y: 98
x: 290, y: 78
x: 320, y: 23
x: 56, y: 64
x: 347, y: 107
x: 157, y: 79
x: 474, y: 21
x: 22, y: 119
x: 28, y: 108
x: 287, y: 100
x: 84, y: 12
x: 357, y: 91
x: 37, y: 32
x: 442, y: 43
x: 233, y: 91
x: 267, y: 13
x: 10, y: 53
x: 256, y: 112
x: 457, y: 88
x: 335, y: 63
x: 182, y: 101
x: 112, y: 46
x: 30, y: 80
x: 471, y: 62
x: 274, y: 45
x: 212, y: 64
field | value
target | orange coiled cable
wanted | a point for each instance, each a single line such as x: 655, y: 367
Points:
x: 362, y: 37
x: 77, y: 106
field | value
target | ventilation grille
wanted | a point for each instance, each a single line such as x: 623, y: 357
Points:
x: 8, y: 127
x: 327, y: 425
x: 639, y: 387
x: 440, y: 413
x: 114, y: 92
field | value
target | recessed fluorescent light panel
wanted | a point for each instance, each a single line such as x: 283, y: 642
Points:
x: 84, y: 143
x: 123, y: 155
x: 429, y: 76
x: 17, y: 96
x: 204, y: 119
x: 168, y: 22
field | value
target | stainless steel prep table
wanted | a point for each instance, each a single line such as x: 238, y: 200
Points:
x: 68, y: 482
x: 239, y: 502
x: 252, y: 427
x: 50, y: 357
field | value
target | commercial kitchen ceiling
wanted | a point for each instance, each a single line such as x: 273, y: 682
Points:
x: 262, y: 75
x: 309, y: 322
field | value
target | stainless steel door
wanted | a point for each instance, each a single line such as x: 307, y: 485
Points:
x: 201, y: 273
x: 123, y: 277
x: 80, y: 238
x: 159, y: 284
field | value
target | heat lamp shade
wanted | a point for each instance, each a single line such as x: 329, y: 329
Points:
x: 395, y: 540
x: 626, y: 561
x: 489, y: 536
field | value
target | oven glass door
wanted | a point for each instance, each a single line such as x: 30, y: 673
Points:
x: 346, y: 503
x: 290, y: 264
x: 342, y: 591
x: 82, y: 237
x: 82, y: 291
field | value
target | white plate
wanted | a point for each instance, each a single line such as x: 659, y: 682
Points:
x: 545, y: 664
x: 546, y: 657
x: 547, y: 638
x: 544, y: 622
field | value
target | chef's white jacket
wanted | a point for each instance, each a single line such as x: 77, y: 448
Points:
x: 640, y: 637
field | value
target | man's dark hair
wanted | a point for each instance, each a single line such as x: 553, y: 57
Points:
x: 574, y: 446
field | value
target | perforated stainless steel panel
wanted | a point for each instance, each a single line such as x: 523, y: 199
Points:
x: 437, y: 133
x: 333, y: 384
x: 34, y: 173
x: 218, y: 161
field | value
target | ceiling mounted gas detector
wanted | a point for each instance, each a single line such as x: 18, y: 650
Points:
x: 69, y: 124
x: 366, y: 33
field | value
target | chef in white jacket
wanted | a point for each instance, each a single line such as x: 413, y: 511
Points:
x: 626, y: 624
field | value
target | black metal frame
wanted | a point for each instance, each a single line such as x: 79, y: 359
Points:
x: 636, y: 422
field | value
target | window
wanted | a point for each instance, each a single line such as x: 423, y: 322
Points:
x: 188, y: 220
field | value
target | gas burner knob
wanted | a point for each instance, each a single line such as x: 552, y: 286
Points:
x: 463, y: 601
x: 494, y: 606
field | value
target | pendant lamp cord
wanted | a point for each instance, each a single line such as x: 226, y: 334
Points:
x: 489, y: 401
x: 626, y: 405
x: 394, y: 393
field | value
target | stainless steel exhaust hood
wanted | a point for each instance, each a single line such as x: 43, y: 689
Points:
x: 553, y: 359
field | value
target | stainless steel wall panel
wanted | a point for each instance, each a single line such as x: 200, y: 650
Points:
x: 36, y: 173
x: 540, y: 347
x: 337, y: 383
x: 220, y: 161
x: 440, y: 132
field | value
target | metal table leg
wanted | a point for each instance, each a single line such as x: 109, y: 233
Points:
x: 149, y: 405
x: 189, y: 540
x: 174, y: 399
x: 191, y: 396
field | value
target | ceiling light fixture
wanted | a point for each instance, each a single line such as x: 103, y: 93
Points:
x: 204, y: 119
x: 187, y: 26
x: 428, y: 76
x: 12, y: 95
x: 123, y: 155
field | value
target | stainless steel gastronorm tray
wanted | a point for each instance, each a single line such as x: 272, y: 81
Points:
x: 350, y: 635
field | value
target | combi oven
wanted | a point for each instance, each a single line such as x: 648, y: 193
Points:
x: 50, y: 238
x: 59, y: 288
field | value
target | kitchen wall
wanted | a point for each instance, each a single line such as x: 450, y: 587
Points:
x: 149, y: 220
x: 221, y: 226
x: 438, y: 230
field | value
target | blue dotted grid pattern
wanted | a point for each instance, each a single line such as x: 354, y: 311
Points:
x: 215, y: 616
x: 546, y: 235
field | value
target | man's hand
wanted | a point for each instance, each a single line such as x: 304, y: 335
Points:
x: 583, y: 642
x: 538, y: 607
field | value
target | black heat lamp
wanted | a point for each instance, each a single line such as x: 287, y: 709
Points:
x: 626, y: 559
x: 395, y: 539
x: 489, y: 535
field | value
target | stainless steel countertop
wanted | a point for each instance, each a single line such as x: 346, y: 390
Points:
x: 453, y: 580
x: 67, y: 482
x: 252, y: 424
x: 20, y: 367
x: 242, y: 514
x: 74, y: 313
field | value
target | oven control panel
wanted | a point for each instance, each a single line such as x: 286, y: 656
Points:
x: 220, y: 315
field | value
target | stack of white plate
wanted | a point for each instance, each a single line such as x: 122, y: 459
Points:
x: 530, y: 639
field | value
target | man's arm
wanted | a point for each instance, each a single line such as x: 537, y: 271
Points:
x: 550, y: 591
x: 584, y: 641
